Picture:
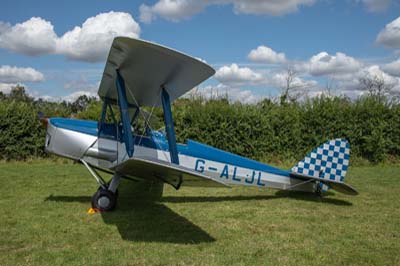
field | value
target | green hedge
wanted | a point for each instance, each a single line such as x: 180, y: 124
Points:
x: 21, y: 134
x: 270, y: 130
x: 264, y: 131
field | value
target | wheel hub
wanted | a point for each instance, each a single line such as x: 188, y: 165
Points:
x: 103, y: 202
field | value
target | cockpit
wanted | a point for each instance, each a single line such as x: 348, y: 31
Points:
x: 142, y: 124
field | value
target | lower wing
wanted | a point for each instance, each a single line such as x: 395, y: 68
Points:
x: 175, y: 175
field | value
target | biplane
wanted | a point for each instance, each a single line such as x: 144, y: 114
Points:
x: 141, y: 74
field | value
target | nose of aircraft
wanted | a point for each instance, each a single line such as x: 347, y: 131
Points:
x: 43, y: 119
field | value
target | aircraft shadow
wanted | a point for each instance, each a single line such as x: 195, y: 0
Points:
x: 279, y: 194
x: 68, y: 198
x: 140, y: 217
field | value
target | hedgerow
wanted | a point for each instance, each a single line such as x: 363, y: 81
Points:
x: 291, y: 130
x: 21, y: 135
x: 263, y: 131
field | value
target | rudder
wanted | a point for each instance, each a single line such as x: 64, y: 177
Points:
x: 328, y: 161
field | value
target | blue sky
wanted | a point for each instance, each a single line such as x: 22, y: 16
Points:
x: 334, y: 42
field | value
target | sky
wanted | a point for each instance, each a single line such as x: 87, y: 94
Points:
x: 57, y: 49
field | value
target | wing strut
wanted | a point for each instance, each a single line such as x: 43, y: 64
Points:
x: 124, y: 109
x: 169, y: 126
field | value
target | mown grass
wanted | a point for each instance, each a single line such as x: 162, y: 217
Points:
x: 44, y: 222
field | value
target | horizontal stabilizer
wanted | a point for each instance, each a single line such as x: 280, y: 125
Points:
x: 335, y: 185
x: 175, y: 175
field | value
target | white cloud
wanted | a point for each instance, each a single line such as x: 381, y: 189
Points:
x: 6, y: 87
x: 35, y: 36
x: 279, y: 80
x: 376, y: 5
x: 173, y: 10
x: 324, y: 64
x: 75, y: 95
x: 392, y: 82
x: 269, y: 7
x: 4, y: 27
x: 264, y: 54
x: 89, y: 42
x: 376, y: 71
x: 390, y: 35
x: 176, y: 10
x: 235, y: 75
x: 392, y: 68
x: 351, y: 87
x: 351, y: 93
x: 81, y: 84
x: 221, y: 91
x: 12, y: 74
x: 68, y: 98
x: 93, y: 39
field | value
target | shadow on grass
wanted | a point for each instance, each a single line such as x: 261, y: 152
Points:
x: 141, y: 217
x: 68, y: 198
x: 306, y: 196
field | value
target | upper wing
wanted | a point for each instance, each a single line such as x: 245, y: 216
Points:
x: 335, y: 185
x: 146, y: 67
x: 172, y: 174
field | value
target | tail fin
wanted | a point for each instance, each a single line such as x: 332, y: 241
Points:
x: 328, y: 163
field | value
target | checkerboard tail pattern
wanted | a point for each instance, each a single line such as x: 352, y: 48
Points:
x: 328, y: 161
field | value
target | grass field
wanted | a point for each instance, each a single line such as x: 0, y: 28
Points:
x: 44, y: 221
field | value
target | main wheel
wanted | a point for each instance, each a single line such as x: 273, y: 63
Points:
x: 104, y: 200
x: 116, y: 192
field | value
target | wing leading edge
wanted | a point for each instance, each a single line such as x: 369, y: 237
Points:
x: 175, y: 175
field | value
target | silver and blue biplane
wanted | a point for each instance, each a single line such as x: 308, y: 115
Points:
x: 139, y: 74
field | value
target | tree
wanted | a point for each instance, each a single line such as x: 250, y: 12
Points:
x: 81, y: 103
x: 376, y: 86
x: 291, y: 89
x: 330, y: 86
x: 18, y: 93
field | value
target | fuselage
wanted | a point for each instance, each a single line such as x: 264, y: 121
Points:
x: 80, y: 140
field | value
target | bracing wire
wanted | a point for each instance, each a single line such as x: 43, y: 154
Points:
x: 147, y: 120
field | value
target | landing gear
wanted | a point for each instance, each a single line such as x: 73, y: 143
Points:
x: 104, y: 200
x: 318, y: 190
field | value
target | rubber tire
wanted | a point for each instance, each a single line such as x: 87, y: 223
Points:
x: 112, y: 198
x: 116, y: 192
